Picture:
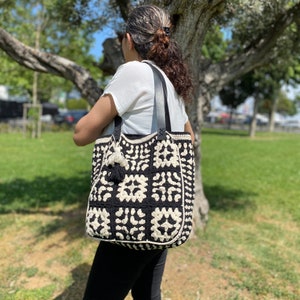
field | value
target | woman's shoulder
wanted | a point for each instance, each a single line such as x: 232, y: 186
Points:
x: 133, y: 72
x: 134, y: 66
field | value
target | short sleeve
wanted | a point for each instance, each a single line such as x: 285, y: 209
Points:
x: 129, y: 84
x: 132, y: 89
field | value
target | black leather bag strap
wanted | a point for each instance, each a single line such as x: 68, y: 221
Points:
x: 160, y: 103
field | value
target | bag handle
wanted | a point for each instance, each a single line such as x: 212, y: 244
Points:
x: 160, y: 103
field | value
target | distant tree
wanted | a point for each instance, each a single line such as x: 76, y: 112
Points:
x: 286, y: 106
x: 215, y: 44
x: 264, y: 85
x: 236, y: 92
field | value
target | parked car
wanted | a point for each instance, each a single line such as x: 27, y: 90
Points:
x: 70, y: 117
x: 260, y: 120
x: 291, y: 124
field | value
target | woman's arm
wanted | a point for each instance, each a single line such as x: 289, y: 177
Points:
x: 188, y: 128
x: 91, y: 126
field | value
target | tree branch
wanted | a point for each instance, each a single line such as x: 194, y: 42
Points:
x: 124, y: 7
x: 48, y: 63
x: 255, y: 55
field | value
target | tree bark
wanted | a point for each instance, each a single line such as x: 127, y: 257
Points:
x: 252, y: 128
x: 272, y: 114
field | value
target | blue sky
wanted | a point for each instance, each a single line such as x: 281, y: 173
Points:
x: 100, y: 37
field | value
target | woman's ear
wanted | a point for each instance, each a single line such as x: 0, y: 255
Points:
x: 129, y: 41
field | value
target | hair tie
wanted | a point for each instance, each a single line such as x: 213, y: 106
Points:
x: 166, y: 30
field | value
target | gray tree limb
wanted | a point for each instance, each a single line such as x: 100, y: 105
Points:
x: 44, y: 62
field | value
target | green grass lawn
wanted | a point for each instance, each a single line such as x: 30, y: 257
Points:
x: 249, y: 250
x: 253, y: 186
x: 37, y: 173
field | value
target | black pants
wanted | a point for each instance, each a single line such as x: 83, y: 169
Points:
x: 116, y: 270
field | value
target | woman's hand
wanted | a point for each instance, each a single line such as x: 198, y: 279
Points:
x: 188, y: 128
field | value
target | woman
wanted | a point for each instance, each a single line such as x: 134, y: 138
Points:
x: 116, y: 270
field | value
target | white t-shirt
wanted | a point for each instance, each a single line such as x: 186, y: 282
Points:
x: 132, y: 89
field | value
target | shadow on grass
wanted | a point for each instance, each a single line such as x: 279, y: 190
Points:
x: 40, y: 196
x: 64, y: 199
x: 76, y: 290
x: 225, y: 199
x: 28, y: 196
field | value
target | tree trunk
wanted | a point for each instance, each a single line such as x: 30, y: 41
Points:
x: 36, y: 121
x: 252, y: 128
x: 201, y: 207
x: 230, y: 118
x: 272, y: 114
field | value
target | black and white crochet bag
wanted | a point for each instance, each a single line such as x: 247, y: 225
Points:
x: 142, y: 192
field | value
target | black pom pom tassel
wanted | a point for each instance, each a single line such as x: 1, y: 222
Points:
x: 117, y: 173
